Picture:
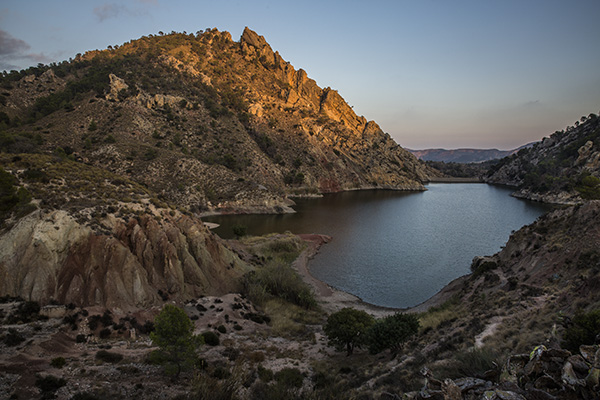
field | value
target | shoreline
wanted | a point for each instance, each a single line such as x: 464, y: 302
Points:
x: 328, y: 297
x: 333, y: 299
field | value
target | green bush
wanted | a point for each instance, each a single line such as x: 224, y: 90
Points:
x: 391, y: 332
x: 589, y: 187
x: 239, y: 230
x: 26, y: 312
x: 289, y: 377
x: 58, y: 362
x: 264, y: 374
x: 347, y: 328
x: 474, y: 363
x: 211, y: 338
x: 582, y: 329
x: 13, y: 199
x: 104, y: 333
x: 108, y: 356
x: 49, y: 385
x: 13, y: 337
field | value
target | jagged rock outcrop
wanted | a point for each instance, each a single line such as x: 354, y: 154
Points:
x: 116, y: 85
x: 253, y: 128
x: 50, y: 256
x: 553, y: 170
x: 545, y: 373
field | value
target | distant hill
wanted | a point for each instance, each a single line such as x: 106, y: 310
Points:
x: 463, y: 156
x: 460, y: 155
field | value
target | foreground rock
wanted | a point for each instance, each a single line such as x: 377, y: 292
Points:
x: 542, y: 374
x: 137, y: 262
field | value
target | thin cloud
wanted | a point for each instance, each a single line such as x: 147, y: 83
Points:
x: 112, y: 10
x: 107, y: 11
x: 14, y: 49
x: 10, y: 45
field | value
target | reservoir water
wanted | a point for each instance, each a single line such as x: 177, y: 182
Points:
x: 397, y: 249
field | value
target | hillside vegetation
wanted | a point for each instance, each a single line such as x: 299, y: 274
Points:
x: 562, y: 168
x: 207, y: 123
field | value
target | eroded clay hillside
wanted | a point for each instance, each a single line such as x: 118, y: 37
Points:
x: 208, y: 123
x: 74, y: 233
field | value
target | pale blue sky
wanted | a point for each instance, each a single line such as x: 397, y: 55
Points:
x: 432, y: 73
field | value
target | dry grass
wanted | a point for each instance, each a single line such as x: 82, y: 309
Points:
x: 289, y: 320
x: 435, y: 316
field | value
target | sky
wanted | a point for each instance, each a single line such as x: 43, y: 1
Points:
x: 431, y: 73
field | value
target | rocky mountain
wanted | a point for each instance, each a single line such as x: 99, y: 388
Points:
x: 209, y: 124
x: 108, y: 160
x: 563, y: 168
x: 461, y: 155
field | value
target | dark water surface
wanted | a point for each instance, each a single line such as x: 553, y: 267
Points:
x: 397, y: 249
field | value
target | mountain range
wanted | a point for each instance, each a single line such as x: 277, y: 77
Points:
x: 464, y: 156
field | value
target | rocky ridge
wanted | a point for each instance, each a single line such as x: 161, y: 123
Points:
x: 563, y: 168
x: 209, y: 124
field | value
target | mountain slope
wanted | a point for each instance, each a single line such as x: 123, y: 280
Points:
x: 563, y: 168
x: 208, y: 123
x: 461, y: 155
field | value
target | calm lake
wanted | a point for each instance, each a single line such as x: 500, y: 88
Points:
x: 397, y: 249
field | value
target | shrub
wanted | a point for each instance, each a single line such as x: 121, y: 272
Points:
x: 581, y: 330
x: 26, y: 312
x: 281, y: 281
x: 347, y: 328
x: 264, y: 374
x: 239, y: 230
x: 81, y: 338
x: 106, y: 319
x: 49, y: 385
x: 108, y: 356
x: 475, y: 362
x: 211, y: 338
x: 104, y: 333
x: 13, y: 337
x: 589, y: 188
x: 391, y: 332
x: 222, y: 329
x: 221, y: 373
x: 290, y: 377
x: 84, y: 396
x: 58, y: 362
